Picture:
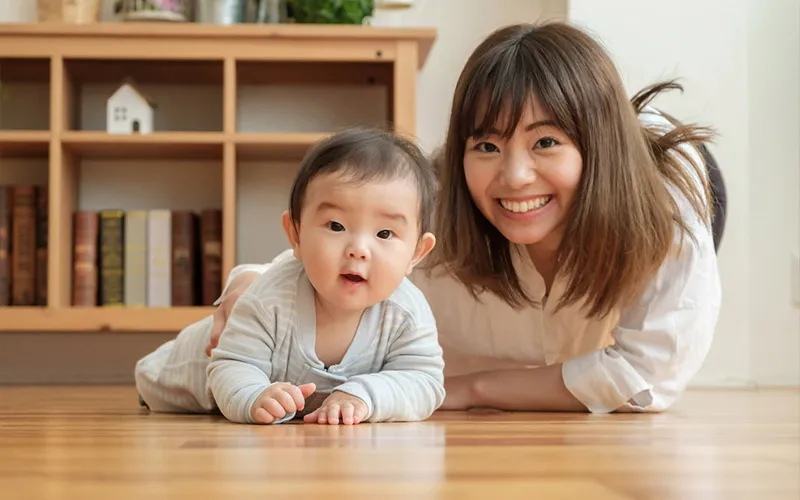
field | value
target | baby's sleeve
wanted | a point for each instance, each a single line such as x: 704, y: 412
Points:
x: 410, y: 386
x: 241, y: 364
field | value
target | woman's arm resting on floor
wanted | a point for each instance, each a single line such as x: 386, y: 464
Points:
x: 527, y: 389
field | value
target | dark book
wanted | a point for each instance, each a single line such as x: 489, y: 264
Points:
x: 42, y: 217
x: 184, y: 258
x: 211, y: 255
x: 5, y: 245
x: 23, y: 244
x: 112, y: 257
x: 84, y: 259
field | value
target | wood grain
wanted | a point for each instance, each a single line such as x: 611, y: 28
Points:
x: 148, y: 35
x: 100, y: 319
x: 24, y: 143
x: 95, y: 442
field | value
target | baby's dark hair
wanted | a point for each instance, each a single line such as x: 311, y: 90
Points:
x: 366, y: 154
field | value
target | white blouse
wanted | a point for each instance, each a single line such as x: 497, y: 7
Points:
x: 637, y: 359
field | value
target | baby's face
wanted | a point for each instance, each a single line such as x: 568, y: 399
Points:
x: 358, y: 241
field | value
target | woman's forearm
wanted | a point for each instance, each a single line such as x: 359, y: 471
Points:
x: 527, y: 389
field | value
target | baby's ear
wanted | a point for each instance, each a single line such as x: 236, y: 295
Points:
x: 424, y: 247
x: 290, y: 229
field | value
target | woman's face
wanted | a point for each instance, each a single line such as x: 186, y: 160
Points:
x: 525, y: 185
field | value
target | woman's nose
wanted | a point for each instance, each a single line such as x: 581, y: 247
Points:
x: 519, y: 171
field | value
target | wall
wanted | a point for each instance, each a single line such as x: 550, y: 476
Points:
x: 738, y: 62
x: 774, y: 166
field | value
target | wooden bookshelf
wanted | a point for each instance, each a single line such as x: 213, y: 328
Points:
x: 24, y: 143
x: 67, y: 57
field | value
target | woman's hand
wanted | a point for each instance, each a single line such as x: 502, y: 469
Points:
x: 460, y: 393
x: 351, y: 409
x: 238, y: 286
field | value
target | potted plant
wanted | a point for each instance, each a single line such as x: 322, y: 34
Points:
x: 330, y: 11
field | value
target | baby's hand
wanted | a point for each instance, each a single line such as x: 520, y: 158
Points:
x: 352, y: 410
x: 280, y: 399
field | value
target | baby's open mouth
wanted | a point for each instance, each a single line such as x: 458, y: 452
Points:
x: 353, y: 277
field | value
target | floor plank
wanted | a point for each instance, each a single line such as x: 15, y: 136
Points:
x: 95, y: 442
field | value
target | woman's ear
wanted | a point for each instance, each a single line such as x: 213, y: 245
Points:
x: 290, y: 229
x: 424, y: 247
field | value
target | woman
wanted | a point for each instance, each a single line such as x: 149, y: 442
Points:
x: 576, y: 267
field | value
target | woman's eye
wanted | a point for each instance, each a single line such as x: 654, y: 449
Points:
x: 486, y: 147
x: 546, y: 142
x: 384, y: 234
x: 335, y: 226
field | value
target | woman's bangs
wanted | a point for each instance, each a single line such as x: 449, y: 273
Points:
x: 496, y: 97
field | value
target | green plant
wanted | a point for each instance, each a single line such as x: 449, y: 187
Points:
x: 331, y: 11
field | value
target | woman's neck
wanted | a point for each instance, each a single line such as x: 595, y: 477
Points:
x: 543, y: 256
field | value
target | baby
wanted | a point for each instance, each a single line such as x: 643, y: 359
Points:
x: 333, y: 330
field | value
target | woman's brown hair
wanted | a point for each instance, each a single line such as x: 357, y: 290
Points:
x: 623, y: 221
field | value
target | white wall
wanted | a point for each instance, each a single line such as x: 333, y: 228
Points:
x: 773, y: 32
x: 738, y: 61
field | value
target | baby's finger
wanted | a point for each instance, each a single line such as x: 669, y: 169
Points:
x: 360, y: 413
x: 347, y: 413
x: 285, y: 400
x: 311, y: 417
x: 275, y: 408
x: 262, y: 416
x: 333, y: 414
x: 297, y: 396
x: 323, y: 416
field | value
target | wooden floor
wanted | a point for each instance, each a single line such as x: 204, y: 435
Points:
x: 96, y: 443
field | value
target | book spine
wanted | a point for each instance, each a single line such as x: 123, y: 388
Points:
x: 184, y: 258
x: 5, y: 245
x: 112, y: 263
x: 42, y: 218
x: 84, y: 260
x: 211, y: 255
x: 159, y: 258
x: 23, y: 243
x: 136, y: 258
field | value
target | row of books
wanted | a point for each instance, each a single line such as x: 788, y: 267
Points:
x: 146, y: 258
x: 23, y: 245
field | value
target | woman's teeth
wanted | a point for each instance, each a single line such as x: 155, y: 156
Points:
x: 527, y: 205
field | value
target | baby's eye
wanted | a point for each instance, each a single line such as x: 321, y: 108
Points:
x: 384, y: 234
x: 335, y: 226
x: 486, y: 147
x: 546, y: 142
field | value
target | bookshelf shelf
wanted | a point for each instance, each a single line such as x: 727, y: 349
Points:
x: 274, y: 146
x: 88, y: 144
x: 230, y: 102
x: 99, y: 319
x: 24, y: 143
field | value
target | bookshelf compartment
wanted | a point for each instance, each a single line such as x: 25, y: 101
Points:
x: 125, y: 240
x: 311, y: 97
x: 187, y: 95
x: 24, y: 94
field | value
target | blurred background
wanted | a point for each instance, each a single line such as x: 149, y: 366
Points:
x: 739, y: 63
